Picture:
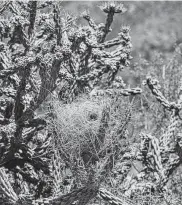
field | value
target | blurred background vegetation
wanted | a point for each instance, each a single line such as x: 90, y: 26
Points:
x: 157, y: 44
x: 156, y: 32
x: 155, y: 26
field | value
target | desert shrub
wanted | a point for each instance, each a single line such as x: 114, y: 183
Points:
x: 156, y: 119
x: 44, y: 52
x: 69, y: 124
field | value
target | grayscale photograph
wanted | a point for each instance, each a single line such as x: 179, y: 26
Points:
x: 90, y: 102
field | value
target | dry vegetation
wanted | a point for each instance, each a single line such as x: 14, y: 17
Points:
x: 71, y: 130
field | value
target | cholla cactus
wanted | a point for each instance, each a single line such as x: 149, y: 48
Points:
x: 42, y: 53
x: 37, y: 50
x: 160, y: 155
